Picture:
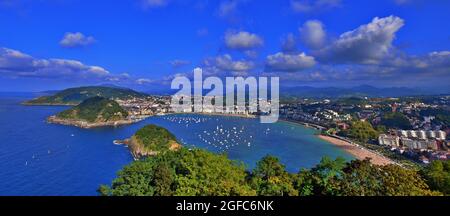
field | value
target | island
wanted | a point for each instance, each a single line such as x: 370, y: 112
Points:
x: 150, y: 141
x: 74, y: 96
x: 93, y: 112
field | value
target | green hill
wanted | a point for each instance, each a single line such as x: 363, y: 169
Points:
x: 74, y: 96
x: 152, y: 139
x: 95, y: 109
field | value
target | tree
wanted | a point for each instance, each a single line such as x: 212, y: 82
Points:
x: 270, y: 178
x: 362, y: 131
x: 202, y: 173
x: 320, y: 180
x: 133, y: 180
x: 181, y: 173
x: 163, y: 180
x: 396, y: 120
x: 362, y: 178
x: 437, y: 175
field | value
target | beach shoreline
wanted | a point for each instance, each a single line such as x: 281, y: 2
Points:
x: 359, y: 152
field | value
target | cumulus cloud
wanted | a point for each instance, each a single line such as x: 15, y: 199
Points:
x: 226, y: 63
x: 282, y: 62
x: 242, y: 40
x: 305, y: 6
x: 368, y: 44
x: 312, y: 33
x: 14, y: 63
x: 76, y: 39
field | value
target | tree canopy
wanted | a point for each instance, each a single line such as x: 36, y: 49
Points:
x: 202, y: 173
x: 396, y: 120
x: 362, y: 131
x: 154, y: 138
x: 437, y: 175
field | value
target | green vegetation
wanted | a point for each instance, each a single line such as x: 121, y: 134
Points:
x: 154, y: 138
x: 352, y: 101
x: 437, y: 175
x: 95, y: 109
x: 73, y: 96
x: 440, y: 115
x: 181, y: 173
x: 361, y: 131
x: 396, y: 120
x: 201, y: 173
x: 270, y: 178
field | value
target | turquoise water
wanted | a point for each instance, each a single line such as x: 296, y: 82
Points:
x: 37, y: 158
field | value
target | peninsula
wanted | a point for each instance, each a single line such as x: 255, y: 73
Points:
x: 93, y: 112
x: 74, y: 96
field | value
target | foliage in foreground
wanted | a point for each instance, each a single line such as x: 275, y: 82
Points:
x: 199, y: 172
x: 437, y: 175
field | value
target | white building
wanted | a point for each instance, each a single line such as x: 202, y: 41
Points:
x: 403, y: 133
x: 389, y: 140
x: 441, y: 135
x: 412, y: 133
x: 421, y: 134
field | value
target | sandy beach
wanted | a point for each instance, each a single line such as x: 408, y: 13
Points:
x: 359, y: 152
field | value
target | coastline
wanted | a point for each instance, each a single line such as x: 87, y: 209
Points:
x: 27, y: 103
x: 359, y: 152
x: 215, y: 114
x: 84, y: 124
x: 308, y: 125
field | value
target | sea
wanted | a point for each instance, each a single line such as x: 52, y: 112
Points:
x: 38, y: 158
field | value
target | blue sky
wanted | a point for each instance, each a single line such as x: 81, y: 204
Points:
x: 142, y: 44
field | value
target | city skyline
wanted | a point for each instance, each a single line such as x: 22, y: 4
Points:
x: 144, y: 44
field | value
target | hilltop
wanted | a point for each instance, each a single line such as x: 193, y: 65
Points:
x: 151, y: 140
x: 93, y: 112
x: 74, y: 96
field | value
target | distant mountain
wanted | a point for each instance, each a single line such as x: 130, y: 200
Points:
x: 74, y: 96
x: 358, y: 91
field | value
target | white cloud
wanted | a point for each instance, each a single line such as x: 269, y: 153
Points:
x: 76, y: 39
x: 14, y: 63
x: 242, y: 40
x: 226, y: 63
x: 313, y: 34
x: 282, y: 62
x: 305, y: 6
x: 368, y: 44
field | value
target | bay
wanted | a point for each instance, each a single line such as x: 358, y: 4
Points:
x: 37, y: 158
